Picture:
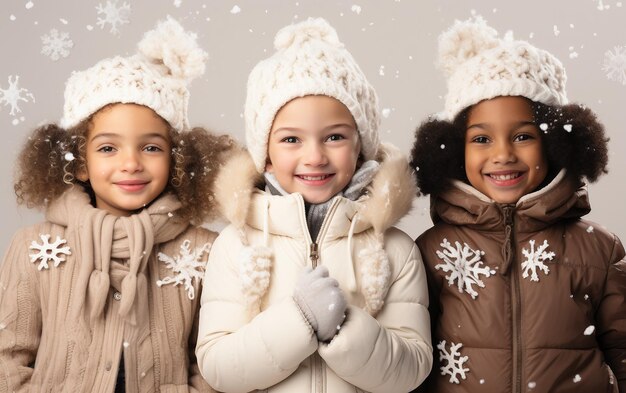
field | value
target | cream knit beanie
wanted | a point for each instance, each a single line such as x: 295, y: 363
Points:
x: 481, y: 66
x: 309, y: 60
x: 157, y: 77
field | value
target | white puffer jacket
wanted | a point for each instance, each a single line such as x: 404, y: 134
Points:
x: 252, y: 335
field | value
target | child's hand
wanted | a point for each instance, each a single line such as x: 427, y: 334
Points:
x: 321, y: 300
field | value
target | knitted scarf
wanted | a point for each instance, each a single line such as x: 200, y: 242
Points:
x: 316, y: 212
x: 98, y: 238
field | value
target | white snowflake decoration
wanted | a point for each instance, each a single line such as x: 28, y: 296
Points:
x: 186, y: 267
x: 615, y: 64
x: 113, y: 14
x: 455, y: 362
x: 56, y: 45
x: 535, y: 259
x: 13, y: 94
x: 48, y: 251
x: 464, y: 265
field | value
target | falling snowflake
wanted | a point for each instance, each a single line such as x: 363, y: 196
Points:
x: 49, y: 251
x: 113, y: 14
x: 535, y: 259
x: 186, y: 267
x: 14, y: 94
x: 615, y: 64
x: 56, y: 45
x: 454, y: 359
x: 464, y: 266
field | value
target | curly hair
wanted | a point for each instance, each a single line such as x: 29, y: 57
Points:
x: 574, y: 140
x: 52, y: 158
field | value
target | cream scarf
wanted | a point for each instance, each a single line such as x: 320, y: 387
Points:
x: 97, y: 237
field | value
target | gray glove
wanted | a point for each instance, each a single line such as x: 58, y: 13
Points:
x: 321, y: 301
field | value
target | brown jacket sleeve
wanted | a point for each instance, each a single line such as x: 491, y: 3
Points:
x: 20, y: 316
x: 611, y: 316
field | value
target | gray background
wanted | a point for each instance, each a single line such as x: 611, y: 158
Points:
x: 394, y: 41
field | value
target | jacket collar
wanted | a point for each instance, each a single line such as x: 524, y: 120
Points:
x: 564, y: 197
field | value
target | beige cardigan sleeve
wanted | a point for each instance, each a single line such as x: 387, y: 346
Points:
x: 20, y: 315
x: 391, y: 352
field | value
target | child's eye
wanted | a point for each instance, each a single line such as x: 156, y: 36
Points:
x: 290, y: 139
x: 480, y: 139
x: 522, y: 137
x: 106, y: 149
x: 153, y: 148
x: 335, y: 137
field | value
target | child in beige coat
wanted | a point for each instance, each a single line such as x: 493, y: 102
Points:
x: 104, y: 295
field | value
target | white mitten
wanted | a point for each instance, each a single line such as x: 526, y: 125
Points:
x: 321, y: 300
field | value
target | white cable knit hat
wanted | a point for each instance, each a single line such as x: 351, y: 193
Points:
x: 481, y: 66
x: 157, y: 77
x: 309, y: 60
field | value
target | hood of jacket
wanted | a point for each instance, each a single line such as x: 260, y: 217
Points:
x: 386, y: 200
x: 564, y: 197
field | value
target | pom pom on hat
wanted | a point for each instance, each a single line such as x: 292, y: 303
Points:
x: 463, y: 41
x: 171, y: 46
x: 480, y: 66
x: 317, y: 29
x: 309, y: 60
x: 157, y: 76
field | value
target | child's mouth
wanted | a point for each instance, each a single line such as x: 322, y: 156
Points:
x: 316, y: 179
x: 504, y: 179
x: 508, y: 176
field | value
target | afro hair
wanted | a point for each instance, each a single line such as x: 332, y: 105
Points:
x: 574, y: 139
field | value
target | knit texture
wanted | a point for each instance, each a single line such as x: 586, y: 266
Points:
x: 480, y: 66
x: 309, y: 60
x: 64, y: 328
x: 157, y: 76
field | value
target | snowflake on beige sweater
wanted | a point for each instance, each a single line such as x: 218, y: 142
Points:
x: 186, y: 267
x: 47, y: 251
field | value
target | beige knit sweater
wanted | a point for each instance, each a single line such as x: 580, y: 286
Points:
x: 84, y: 288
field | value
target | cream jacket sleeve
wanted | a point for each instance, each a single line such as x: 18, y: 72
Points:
x: 391, y: 352
x: 237, y: 352
x: 20, y: 316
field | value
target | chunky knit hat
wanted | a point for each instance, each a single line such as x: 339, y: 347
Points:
x: 309, y: 60
x: 481, y: 66
x: 157, y: 77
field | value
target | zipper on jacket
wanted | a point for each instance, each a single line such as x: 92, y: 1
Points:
x: 313, y: 255
x: 516, y: 307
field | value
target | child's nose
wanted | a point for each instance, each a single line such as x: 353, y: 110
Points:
x: 132, y: 162
x: 503, y: 153
x: 315, y: 155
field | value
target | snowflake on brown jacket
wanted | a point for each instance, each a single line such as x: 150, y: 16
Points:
x: 464, y: 265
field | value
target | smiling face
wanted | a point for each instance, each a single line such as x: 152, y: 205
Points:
x: 313, y: 147
x: 503, y: 149
x: 128, y: 157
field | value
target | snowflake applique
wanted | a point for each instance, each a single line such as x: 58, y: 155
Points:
x: 48, y: 251
x: 186, y: 267
x: 535, y: 259
x: 615, y: 64
x: 113, y: 14
x: 455, y: 362
x: 464, y: 265
x: 56, y: 45
x: 13, y: 94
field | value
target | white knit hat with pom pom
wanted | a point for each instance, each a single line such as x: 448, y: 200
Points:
x: 309, y: 60
x: 156, y: 77
x: 481, y: 66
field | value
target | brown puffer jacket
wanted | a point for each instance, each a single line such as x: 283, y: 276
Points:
x: 525, y: 297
